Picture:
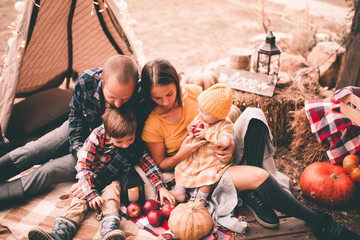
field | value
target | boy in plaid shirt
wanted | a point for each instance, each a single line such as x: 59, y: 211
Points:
x: 116, y: 134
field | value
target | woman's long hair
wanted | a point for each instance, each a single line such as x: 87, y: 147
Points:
x: 159, y: 72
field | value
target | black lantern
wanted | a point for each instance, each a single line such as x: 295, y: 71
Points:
x: 268, y: 61
x: 133, y: 189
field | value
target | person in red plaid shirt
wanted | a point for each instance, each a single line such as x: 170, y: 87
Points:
x: 115, y: 134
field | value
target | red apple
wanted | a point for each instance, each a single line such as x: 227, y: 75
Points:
x: 155, y: 218
x: 133, y: 210
x: 197, y: 128
x: 166, y: 209
x: 149, y: 205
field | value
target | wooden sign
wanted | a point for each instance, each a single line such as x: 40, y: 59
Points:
x: 257, y: 83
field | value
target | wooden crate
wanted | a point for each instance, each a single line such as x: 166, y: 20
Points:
x: 349, y: 106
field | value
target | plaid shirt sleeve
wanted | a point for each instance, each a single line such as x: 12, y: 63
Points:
x: 75, y: 123
x: 85, y: 166
x: 85, y: 108
x: 152, y: 171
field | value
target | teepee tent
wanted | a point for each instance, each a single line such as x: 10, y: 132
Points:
x: 56, y: 40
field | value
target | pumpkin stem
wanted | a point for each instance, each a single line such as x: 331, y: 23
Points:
x: 334, y: 176
x: 206, y: 63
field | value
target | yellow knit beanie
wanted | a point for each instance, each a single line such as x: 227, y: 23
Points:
x: 216, y: 100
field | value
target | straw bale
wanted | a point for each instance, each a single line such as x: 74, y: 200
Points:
x: 276, y: 109
x: 304, y: 144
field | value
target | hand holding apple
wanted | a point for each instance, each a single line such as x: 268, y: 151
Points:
x: 197, y: 128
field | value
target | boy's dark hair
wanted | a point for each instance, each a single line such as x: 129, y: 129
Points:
x: 119, y: 123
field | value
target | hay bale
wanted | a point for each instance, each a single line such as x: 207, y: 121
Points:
x: 305, y: 145
x: 276, y: 110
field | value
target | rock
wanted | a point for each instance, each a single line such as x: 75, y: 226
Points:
x: 322, y: 55
x: 330, y: 76
x: 322, y: 37
x: 327, y: 57
x: 290, y: 63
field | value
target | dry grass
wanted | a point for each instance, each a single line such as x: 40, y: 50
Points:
x: 304, y: 144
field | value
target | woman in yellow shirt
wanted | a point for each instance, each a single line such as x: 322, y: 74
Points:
x: 165, y: 133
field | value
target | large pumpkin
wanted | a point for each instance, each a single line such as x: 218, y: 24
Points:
x: 203, y: 78
x: 327, y: 184
x: 190, y: 221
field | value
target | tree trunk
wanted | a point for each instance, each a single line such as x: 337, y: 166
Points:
x: 350, y: 69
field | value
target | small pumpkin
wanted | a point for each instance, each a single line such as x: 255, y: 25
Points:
x: 234, y: 113
x: 355, y: 174
x: 327, y: 184
x: 204, y: 79
x: 190, y: 221
x: 351, y: 165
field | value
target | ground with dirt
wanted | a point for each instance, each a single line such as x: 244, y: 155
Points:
x: 192, y: 33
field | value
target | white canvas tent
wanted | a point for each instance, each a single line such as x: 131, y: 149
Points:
x: 56, y: 40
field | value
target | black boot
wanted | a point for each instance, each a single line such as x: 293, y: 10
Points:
x: 263, y: 214
x: 11, y: 193
x: 326, y: 228
x: 7, y: 168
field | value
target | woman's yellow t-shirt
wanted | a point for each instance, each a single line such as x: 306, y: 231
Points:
x: 157, y: 129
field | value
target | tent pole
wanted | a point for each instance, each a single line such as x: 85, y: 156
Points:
x: 69, y: 71
x: 104, y: 27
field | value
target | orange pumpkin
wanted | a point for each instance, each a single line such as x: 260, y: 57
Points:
x: 204, y: 79
x: 355, y: 174
x: 190, y: 221
x: 351, y: 165
x: 350, y: 162
x: 327, y: 184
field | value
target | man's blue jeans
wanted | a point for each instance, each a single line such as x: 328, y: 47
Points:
x: 51, y: 151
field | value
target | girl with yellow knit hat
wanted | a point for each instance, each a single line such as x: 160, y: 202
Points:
x: 202, y: 168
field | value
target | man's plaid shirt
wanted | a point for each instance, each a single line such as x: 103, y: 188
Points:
x: 86, y: 108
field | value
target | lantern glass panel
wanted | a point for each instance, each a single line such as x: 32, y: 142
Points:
x: 263, y: 63
x: 274, y: 65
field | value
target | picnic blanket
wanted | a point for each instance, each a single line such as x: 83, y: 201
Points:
x: 42, y: 210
